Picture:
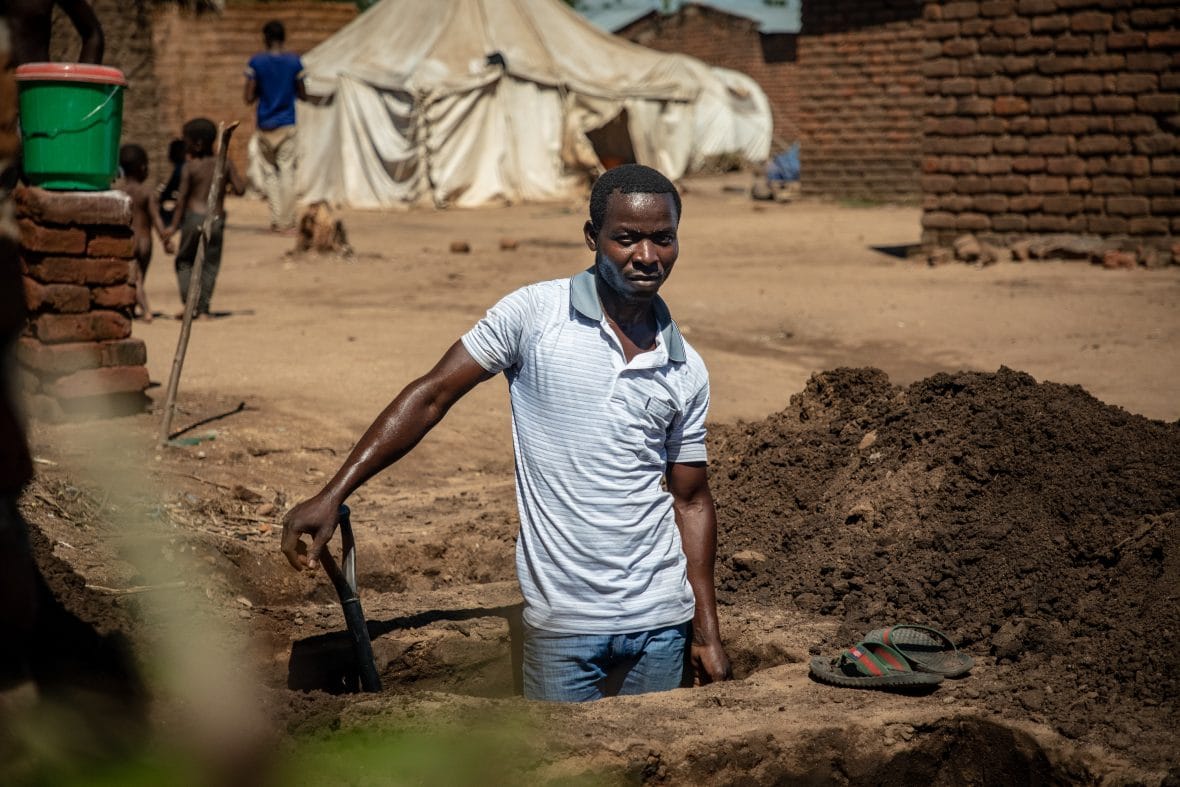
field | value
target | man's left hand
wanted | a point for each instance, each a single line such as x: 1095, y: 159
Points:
x: 709, y: 662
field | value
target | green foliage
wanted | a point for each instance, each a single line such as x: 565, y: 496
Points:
x: 492, y: 748
x: 54, y: 767
x: 497, y: 749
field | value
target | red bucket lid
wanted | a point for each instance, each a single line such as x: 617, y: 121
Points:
x: 70, y: 72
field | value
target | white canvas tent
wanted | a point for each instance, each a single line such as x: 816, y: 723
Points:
x: 467, y: 102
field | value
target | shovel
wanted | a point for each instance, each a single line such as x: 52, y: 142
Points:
x: 354, y: 617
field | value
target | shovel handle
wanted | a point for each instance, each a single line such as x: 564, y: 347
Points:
x: 354, y: 617
x: 358, y: 632
x: 344, y: 580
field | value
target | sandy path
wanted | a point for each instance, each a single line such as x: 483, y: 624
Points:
x: 768, y: 296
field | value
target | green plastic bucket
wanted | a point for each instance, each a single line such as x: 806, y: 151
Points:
x: 71, y: 116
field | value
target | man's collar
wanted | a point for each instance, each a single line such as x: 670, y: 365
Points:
x: 584, y: 298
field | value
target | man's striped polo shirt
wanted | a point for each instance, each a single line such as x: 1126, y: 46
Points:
x: 599, y: 551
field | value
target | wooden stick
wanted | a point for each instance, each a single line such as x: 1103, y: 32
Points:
x: 189, y: 475
x: 52, y: 504
x: 262, y: 520
x: 137, y: 588
x: 224, y: 133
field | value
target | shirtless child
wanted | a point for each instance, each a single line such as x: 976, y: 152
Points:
x: 145, y: 216
x: 191, y: 204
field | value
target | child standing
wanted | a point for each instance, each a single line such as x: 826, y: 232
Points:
x: 191, y: 204
x: 145, y: 216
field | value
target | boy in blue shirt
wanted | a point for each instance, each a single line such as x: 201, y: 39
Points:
x: 274, y: 80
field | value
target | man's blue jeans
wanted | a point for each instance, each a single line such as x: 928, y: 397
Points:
x: 583, y: 667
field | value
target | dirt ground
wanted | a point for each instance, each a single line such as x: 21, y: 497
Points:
x: 308, y: 349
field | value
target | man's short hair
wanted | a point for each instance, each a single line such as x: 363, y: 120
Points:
x: 201, y: 134
x: 133, y: 159
x: 273, y: 32
x: 628, y: 179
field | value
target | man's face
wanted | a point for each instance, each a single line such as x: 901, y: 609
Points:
x: 636, y: 246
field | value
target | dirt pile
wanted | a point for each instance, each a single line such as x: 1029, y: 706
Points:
x: 1031, y: 521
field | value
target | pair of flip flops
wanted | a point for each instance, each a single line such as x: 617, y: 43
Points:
x: 895, y: 657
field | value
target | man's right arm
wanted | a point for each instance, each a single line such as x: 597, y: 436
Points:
x: 403, y: 423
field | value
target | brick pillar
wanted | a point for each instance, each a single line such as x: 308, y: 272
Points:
x: 77, y: 356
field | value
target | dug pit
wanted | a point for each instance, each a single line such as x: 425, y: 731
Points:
x: 475, y: 652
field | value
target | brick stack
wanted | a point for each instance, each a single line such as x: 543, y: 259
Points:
x: 860, y: 98
x: 1052, y: 116
x: 77, y: 355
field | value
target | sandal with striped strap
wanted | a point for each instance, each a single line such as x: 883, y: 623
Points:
x: 870, y: 665
x: 924, y: 648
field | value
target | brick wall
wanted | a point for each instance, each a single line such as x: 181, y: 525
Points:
x: 200, y: 60
x: 861, y: 102
x: 728, y: 41
x: 1052, y: 116
x: 126, y: 26
x: 851, y: 94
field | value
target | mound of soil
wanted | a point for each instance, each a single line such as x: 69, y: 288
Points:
x: 1034, y: 523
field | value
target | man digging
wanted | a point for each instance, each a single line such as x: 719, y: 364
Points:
x: 618, y: 529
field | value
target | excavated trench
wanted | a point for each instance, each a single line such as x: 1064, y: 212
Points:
x: 471, y: 652
x: 1034, y: 522
x: 1030, y: 520
x: 474, y: 653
